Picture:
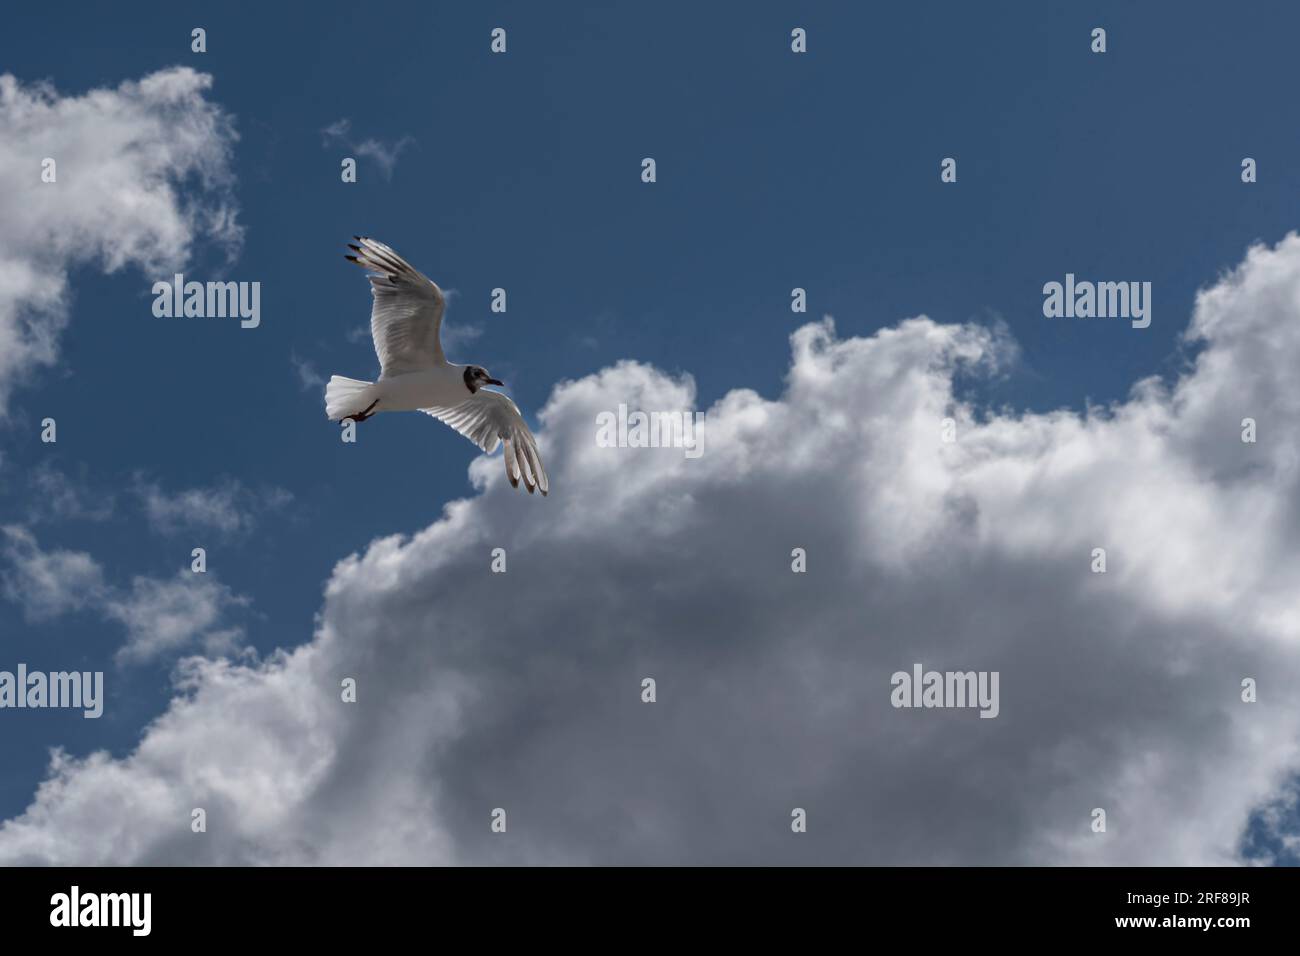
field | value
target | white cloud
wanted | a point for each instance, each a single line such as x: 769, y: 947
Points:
x: 54, y: 495
x: 119, y: 155
x: 189, y: 613
x: 384, y: 153
x: 456, y: 335
x: 165, y: 616
x: 48, y: 584
x: 478, y: 690
x: 305, y: 370
x: 226, y: 507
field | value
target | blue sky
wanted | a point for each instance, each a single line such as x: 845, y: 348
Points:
x: 522, y: 171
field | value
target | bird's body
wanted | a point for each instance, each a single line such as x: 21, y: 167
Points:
x: 413, y: 391
x: 405, y: 322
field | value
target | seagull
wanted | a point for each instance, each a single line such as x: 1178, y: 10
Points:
x: 414, y: 375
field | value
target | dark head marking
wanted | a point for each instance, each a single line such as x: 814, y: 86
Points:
x: 476, y: 376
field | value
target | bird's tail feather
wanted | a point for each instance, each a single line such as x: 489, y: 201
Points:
x: 345, y: 396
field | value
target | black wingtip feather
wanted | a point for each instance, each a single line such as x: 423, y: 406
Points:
x: 352, y: 259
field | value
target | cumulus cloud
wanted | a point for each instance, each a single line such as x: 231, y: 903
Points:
x: 521, y: 690
x: 119, y: 156
x: 383, y: 152
x: 227, y: 507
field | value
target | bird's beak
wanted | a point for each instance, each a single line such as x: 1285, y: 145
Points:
x: 496, y: 381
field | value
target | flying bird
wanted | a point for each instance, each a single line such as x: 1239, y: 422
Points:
x: 414, y: 375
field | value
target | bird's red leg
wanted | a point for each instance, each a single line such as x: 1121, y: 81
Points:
x: 364, y: 415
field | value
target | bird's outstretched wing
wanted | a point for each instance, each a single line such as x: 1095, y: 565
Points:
x: 487, y: 418
x: 407, y: 315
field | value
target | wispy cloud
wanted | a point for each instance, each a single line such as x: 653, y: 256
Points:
x: 185, y: 613
x: 383, y: 153
x: 56, y: 496
x: 227, y: 507
x: 305, y: 370
x: 47, y: 584
x: 162, y: 616
x: 454, y: 335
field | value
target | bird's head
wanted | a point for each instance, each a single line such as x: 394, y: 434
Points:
x: 477, y: 376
